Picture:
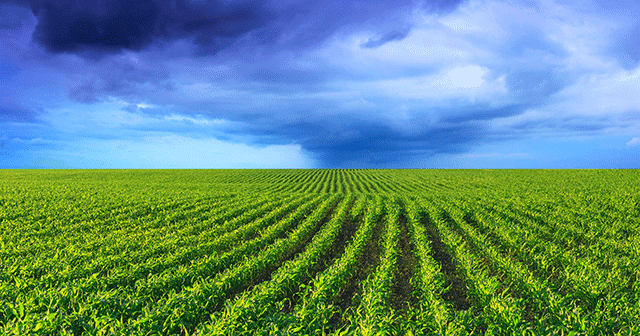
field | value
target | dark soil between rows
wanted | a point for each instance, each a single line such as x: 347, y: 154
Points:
x: 402, y: 288
x: 457, y: 290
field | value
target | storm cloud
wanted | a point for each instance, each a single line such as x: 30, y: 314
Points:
x: 110, y: 26
x: 327, y: 83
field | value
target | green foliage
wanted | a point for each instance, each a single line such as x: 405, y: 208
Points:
x: 318, y: 252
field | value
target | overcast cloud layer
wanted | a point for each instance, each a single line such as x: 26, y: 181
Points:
x: 330, y: 84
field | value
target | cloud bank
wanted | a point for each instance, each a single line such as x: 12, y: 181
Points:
x: 328, y: 84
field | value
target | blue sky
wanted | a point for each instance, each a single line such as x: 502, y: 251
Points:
x: 320, y: 84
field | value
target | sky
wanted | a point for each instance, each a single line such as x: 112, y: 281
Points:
x: 319, y: 84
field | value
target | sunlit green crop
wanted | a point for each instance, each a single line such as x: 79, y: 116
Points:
x: 281, y: 252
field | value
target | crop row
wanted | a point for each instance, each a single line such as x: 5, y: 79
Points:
x: 323, y: 252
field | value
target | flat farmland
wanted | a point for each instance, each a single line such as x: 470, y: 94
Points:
x: 313, y: 252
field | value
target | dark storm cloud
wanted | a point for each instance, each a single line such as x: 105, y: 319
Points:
x: 480, y: 113
x: 303, y: 24
x: 279, y: 76
x: 382, y: 146
x: 12, y: 16
x: 311, y: 73
x: 351, y: 141
x: 10, y: 112
x: 535, y: 87
x: 69, y: 26
x: 394, y: 35
x: 624, y: 42
x: 120, y: 76
x: 574, y: 124
x: 626, y: 45
x: 110, y: 26
x: 100, y: 30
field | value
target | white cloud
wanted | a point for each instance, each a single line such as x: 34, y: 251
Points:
x: 604, y: 93
x: 453, y: 64
x: 115, y: 116
x: 198, y: 120
x: 468, y: 77
x: 469, y: 81
x: 635, y: 142
x: 146, y: 105
x: 496, y: 155
x: 33, y: 141
x: 429, y: 45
